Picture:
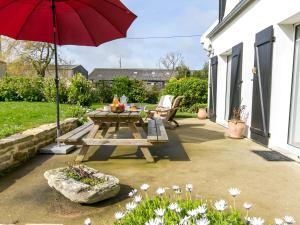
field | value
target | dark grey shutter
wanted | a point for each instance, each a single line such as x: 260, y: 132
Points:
x: 222, y: 6
x: 213, y: 88
x: 236, y: 78
x: 262, y: 85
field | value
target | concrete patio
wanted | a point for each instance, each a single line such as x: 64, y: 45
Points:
x: 198, y: 153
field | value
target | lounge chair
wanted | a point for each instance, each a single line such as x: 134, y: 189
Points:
x: 165, y: 103
x: 168, y: 115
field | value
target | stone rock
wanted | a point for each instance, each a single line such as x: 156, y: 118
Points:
x: 80, y: 192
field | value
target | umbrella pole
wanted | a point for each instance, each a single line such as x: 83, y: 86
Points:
x: 56, y: 72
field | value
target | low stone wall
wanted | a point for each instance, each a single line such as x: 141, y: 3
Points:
x: 20, y: 147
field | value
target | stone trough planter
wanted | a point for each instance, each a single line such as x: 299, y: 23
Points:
x: 80, y: 192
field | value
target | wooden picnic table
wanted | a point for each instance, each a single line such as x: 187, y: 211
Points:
x: 102, y: 120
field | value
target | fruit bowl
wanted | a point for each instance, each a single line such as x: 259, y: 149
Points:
x: 117, y: 108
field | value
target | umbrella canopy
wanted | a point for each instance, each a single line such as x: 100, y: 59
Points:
x: 78, y: 22
x: 64, y: 22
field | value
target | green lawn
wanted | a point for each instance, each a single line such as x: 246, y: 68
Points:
x: 19, y: 116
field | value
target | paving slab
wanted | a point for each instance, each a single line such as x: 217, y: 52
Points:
x: 198, y: 152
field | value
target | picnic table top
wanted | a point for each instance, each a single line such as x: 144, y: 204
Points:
x: 105, y: 114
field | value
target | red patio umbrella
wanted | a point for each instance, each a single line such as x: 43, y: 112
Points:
x: 65, y: 22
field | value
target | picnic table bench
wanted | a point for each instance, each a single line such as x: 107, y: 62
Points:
x: 85, y: 135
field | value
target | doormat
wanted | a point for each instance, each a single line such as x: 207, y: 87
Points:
x: 273, y: 156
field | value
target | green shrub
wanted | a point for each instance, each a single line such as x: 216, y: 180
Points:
x: 133, y: 89
x: 8, y: 90
x: 49, y: 90
x: 137, y: 92
x: 152, y: 95
x: 102, y: 92
x: 80, y: 113
x: 193, y: 89
x: 30, y: 88
x: 21, y: 88
x: 121, y: 86
x: 79, y: 91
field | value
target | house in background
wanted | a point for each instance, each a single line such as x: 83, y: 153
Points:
x: 2, y: 68
x: 150, y: 77
x: 67, y: 71
x: 254, y: 50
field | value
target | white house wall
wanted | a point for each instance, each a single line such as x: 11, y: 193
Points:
x: 282, y: 14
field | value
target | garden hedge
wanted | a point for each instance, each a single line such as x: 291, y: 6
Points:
x: 78, y: 90
x: 193, y: 89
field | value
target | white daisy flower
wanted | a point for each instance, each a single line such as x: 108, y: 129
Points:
x: 193, y: 213
x: 202, y: 209
x: 156, y: 221
x: 87, y: 221
x: 119, y: 215
x: 178, y: 210
x: 189, y: 187
x: 257, y: 221
x: 131, y: 206
x: 289, y: 219
x: 234, y: 192
x: 173, y: 206
x: 247, y: 205
x: 185, y: 221
x: 132, y: 193
x: 203, y: 221
x: 220, y: 205
x: 160, y: 212
x: 138, y: 198
x: 278, y: 221
x: 145, y: 187
x: 160, y: 191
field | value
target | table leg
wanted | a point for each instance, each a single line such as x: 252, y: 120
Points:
x: 143, y: 125
x: 105, y: 129
x: 117, y: 128
x: 85, y: 148
x: 136, y: 134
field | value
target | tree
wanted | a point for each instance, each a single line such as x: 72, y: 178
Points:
x: 24, y: 55
x: 183, y: 71
x: 38, y: 55
x: 203, y: 73
x: 171, y: 61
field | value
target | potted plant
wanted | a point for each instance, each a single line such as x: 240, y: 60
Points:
x: 202, y: 113
x: 201, y: 110
x: 237, y: 124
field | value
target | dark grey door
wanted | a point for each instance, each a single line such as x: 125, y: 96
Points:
x: 262, y: 74
x: 213, y: 88
x: 236, y: 78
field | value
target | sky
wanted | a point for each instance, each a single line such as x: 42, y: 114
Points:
x: 155, y: 18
